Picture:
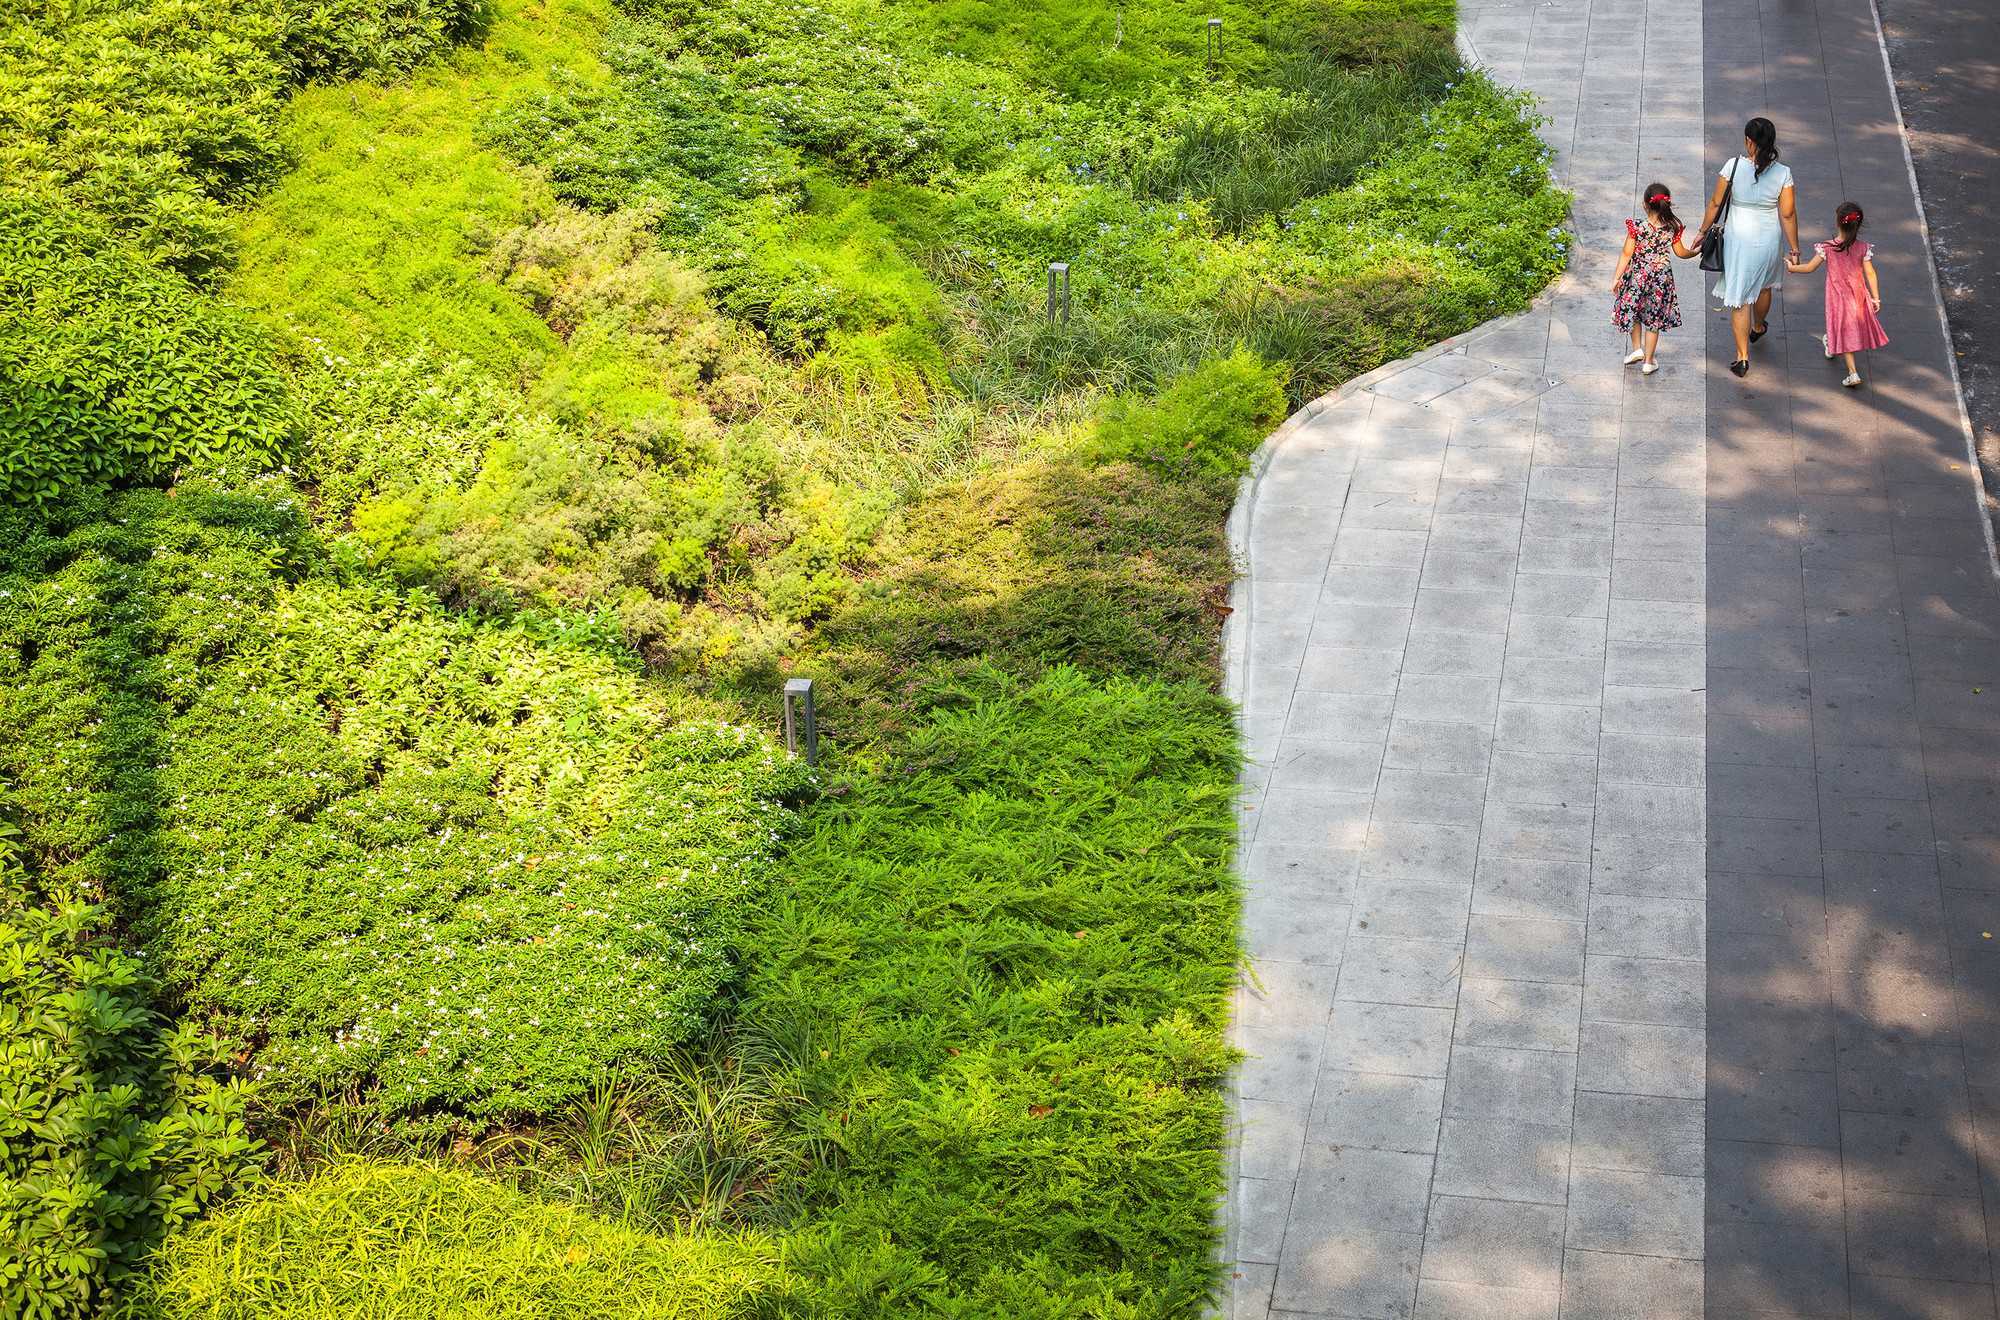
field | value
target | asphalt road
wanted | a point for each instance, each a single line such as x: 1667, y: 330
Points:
x: 1946, y: 58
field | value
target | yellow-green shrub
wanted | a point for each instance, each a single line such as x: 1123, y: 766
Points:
x: 372, y: 1241
x: 152, y: 115
x: 1208, y: 418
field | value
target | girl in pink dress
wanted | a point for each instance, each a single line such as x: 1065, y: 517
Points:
x: 1853, y: 296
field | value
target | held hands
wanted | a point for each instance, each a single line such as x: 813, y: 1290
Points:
x: 1874, y: 303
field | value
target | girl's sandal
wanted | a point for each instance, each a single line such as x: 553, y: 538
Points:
x: 1853, y: 381
x: 1649, y: 368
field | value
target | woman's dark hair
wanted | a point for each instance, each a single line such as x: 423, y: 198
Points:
x: 1847, y: 218
x: 1762, y: 135
x: 1660, y: 203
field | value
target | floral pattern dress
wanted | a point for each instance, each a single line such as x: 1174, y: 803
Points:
x: 1645, y: 293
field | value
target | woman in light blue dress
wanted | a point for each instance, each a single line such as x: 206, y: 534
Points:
x: 1760, y: 231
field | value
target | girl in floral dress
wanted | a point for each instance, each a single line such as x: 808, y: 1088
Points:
x: 1644, y: 302
x: 1853, y: 294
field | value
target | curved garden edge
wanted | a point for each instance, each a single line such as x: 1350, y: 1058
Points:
x: 1241, y: 623
x: 1236, y: 631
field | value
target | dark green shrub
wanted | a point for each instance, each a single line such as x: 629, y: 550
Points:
x: 1343, y: 90
x: 114, y: 369
x: 666, y: 132
x: 325, y: 40
x: 113, y: 1126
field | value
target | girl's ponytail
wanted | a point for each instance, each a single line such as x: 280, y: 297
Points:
x: 1847, y: 218
x: 1660, y: 204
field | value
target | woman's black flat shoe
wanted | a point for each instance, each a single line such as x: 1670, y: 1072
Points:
x: 1759, y: 333
x: 1741, y: 366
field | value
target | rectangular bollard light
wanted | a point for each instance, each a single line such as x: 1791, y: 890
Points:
x: 801, y: 721
x: 1059, y: 291
x: 1214, y: 41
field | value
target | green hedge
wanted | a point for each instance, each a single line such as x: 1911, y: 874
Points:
x: 114, y: 369
x: 368, y: 1241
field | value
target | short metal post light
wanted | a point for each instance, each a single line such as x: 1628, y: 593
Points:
x: 801, y: 723
x: 1214, y: 41
x: 1059, y: 291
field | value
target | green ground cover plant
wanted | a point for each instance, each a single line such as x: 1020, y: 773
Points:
x: 1013, y: 951
x: 743, y: 316
x: 397, y: 856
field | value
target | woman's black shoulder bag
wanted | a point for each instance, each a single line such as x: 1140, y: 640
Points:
x: 1711, y: 242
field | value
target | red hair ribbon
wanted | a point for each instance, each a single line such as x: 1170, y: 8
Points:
x: 1658, y: 197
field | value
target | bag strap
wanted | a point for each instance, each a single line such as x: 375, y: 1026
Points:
x: 1728, y: 192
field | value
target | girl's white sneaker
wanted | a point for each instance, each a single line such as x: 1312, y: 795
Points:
x: 1853, y: 380
x: 1825, y: 347
x: 1649, y: 368
x: 1634, y: 356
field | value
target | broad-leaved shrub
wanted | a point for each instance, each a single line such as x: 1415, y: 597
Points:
x: 112, y: 368
x: 115, y: 1126
x: 154, y: 115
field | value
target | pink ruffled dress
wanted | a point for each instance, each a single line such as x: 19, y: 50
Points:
x: 1851, y: 324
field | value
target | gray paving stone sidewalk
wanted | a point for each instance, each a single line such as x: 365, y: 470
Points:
x: 1473, y: 829
x: 1622, y: 829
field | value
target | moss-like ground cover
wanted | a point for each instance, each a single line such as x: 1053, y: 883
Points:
x: 617, y: 361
